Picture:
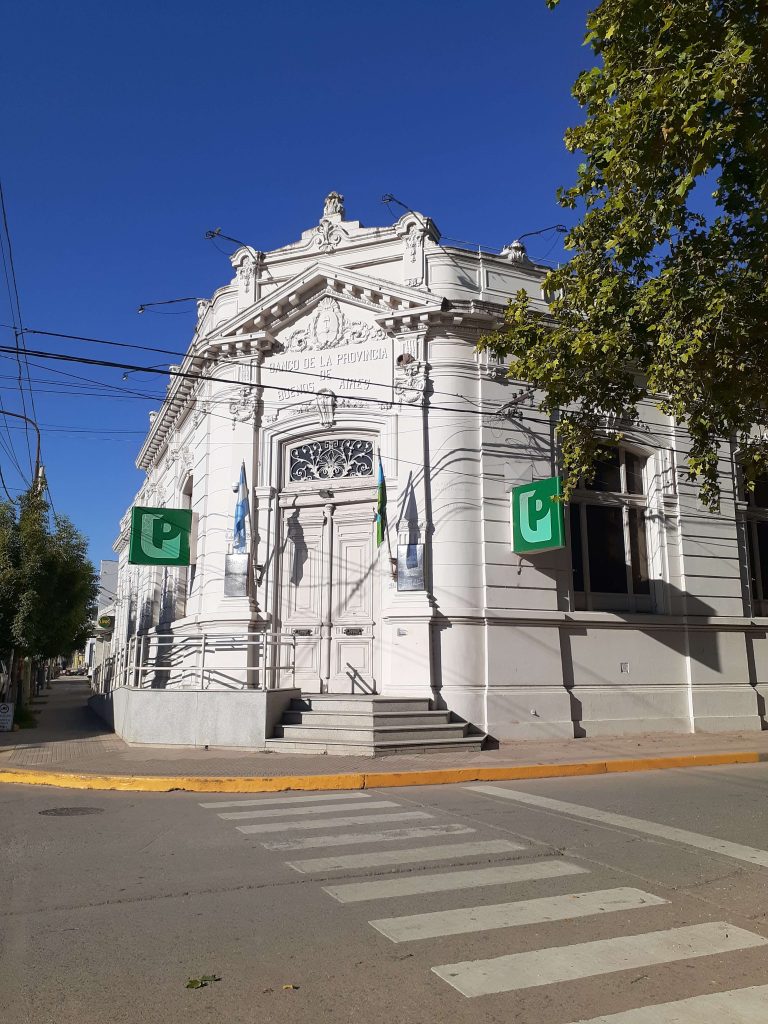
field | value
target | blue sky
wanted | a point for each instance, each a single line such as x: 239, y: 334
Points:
x: 129, y: 129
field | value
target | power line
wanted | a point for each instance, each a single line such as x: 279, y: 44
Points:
x: 5, y: 486
x: 86, y: 361
x: 182, y: 355
x: 13, y: 294
x: 657, y: 428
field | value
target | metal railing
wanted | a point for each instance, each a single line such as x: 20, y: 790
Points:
x: 202, y: 661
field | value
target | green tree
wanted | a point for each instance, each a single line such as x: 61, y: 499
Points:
x: 47, y: 585
x: 666, y: 293
x: 9, y: 563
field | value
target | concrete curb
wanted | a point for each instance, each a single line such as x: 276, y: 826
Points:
x: 368, y: 780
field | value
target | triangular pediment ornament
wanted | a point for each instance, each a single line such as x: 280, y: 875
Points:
x: 330, y: 327
x: 286, y: 304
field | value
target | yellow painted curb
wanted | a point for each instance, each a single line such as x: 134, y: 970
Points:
x: 369, y: 780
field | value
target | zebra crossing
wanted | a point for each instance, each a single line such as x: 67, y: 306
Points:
x: 330, y: 814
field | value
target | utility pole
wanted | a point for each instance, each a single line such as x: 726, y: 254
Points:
x: 37, y: 477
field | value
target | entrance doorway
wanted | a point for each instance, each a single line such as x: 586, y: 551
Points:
x: 328, y: 595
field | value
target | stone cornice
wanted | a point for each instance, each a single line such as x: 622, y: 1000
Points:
x: 284, y: 304
x: 251, y: 331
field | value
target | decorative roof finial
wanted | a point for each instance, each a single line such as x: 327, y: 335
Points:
x: 515, y: 252
x: 334, y: 206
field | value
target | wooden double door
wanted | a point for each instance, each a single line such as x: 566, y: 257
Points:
x: 329, y: 589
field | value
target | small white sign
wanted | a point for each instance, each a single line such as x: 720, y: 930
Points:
x: 6, y: 717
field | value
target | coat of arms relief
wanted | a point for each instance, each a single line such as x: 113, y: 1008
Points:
x: 329, y: 327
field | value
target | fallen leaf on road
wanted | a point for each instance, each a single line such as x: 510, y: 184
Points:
x: 285, y: 987
x: 203, y: 981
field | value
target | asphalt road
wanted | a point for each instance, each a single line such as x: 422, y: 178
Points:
x: 548, y: 902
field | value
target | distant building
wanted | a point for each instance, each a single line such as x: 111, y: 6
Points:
x: 98, y: 647
x: 353, y: 341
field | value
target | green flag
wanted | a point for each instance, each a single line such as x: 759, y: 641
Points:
x: 381, y: 506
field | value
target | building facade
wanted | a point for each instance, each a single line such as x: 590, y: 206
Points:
x: 356, y: 344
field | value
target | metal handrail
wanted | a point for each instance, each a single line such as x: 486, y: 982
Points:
x: 147, y: 655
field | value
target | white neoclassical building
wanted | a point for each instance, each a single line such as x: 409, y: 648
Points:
x: 355, y: 342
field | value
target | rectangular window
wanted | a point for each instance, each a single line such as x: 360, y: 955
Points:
x: 760, y: 493
x: 641, y: 583
x: 577, y: 554
x: 607, y: 472
x: 762, y: 553
x: 634, y: 470
x: 605, y: 543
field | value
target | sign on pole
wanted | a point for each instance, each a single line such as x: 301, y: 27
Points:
x: 160, y: 536
x: 537, y: 516
x: 6, y: 717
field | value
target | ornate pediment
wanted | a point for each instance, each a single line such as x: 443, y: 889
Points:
x: 329, y: 326
x: 289, y: 305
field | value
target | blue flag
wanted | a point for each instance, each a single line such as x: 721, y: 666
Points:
x: 242, y: 511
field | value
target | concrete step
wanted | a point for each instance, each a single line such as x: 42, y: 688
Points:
x: 374, y: 735
x: 353, y: 704
x: 365, y: 719
x: 466, y: 744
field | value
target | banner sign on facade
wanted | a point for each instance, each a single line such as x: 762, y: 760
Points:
x: 410, y: 567
x: 537, y: 516
x: 6, y: 717
x: 160, y: 536
x: 106, y: 621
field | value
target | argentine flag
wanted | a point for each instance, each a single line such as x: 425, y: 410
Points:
x: 242, y: 511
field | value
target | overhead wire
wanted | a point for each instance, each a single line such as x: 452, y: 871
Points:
x: 222, y: 362
x: 144, y: 396
x: 683, y: 512
x: 16, y: 315
x: 155, y: 370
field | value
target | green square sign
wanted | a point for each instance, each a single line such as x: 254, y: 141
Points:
x: 537, y: 516
x: 160, y: 536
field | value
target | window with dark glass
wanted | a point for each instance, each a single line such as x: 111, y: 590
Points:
x: 757, y: 543
x: 608, y: 535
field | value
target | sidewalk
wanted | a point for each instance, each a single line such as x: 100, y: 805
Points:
x: 71, y: 740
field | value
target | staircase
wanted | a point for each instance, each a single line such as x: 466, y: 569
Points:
x: 369, y: 725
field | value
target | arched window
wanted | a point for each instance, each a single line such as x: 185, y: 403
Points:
x: 608, y: 536
x: 331, y: 459
x: 757, y: 543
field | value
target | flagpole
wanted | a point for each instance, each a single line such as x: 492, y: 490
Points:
x: 392, y: 562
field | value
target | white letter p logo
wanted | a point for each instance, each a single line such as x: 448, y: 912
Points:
x: 536, y: 523
x: 153, y: 524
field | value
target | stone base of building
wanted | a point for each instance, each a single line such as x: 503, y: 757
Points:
x: 194, y: 718
x: 548, y: 713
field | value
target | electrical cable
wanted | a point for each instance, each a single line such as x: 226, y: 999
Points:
x: 17, y: 317
x: 681, y: 511
x: 223, y: 362
x: 5, y: 486
x: 524, y: 414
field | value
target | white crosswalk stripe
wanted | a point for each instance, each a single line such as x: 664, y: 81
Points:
x: 588, y: 959
x: 358, y: 819
x: 449, y: 881
x: 512, y: 915
x: 711, y: 844
x: 328, y: 812
x: 287, y: 800
x: 386, y: 858
x: 277, y: 812
x: 739, y: 1006
x: 360, y: 838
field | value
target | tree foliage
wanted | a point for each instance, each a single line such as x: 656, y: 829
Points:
x: 666, y: 293
x: 47, y: 585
